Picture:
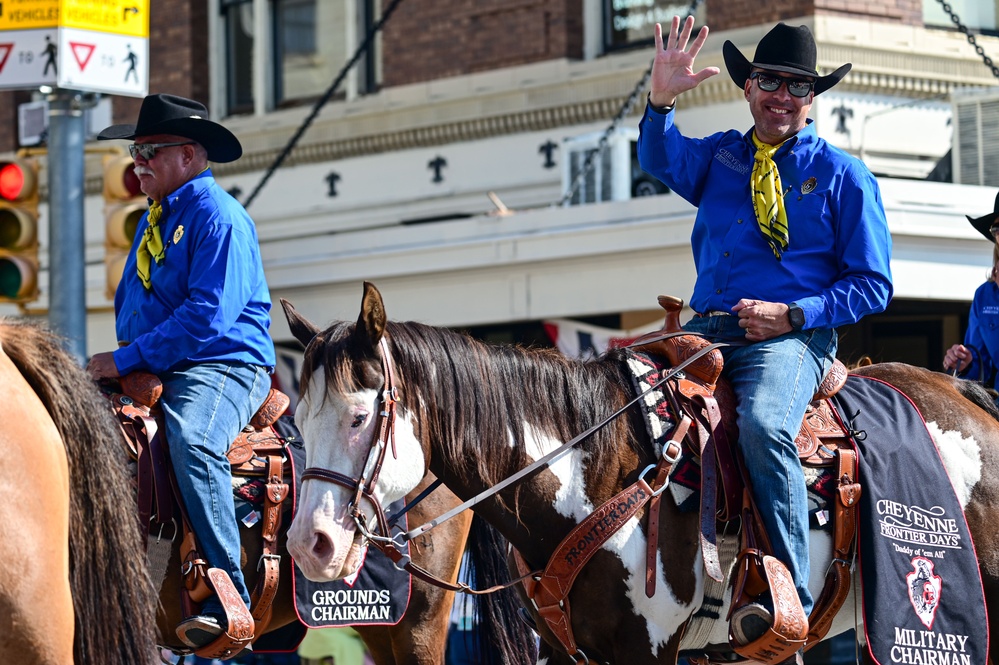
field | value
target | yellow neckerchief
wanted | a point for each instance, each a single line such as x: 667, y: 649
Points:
x: 151, y: 247
x: 767, y: 198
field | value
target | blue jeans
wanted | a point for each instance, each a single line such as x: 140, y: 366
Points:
x: 205, y: 407
x: 774, y: 381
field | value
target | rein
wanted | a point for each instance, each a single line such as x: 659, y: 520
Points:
x: 363, y: 487
x: 558, y: 452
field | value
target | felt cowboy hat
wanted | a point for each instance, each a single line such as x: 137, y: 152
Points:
x: 984, y: 223
x: 786, y: 49
x: 170, y: 114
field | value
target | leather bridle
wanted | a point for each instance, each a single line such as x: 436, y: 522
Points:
x: 393, y: 545
x: 384, y: 437
x: 364, y: 488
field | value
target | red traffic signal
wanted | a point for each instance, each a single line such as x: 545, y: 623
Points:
x: 17, y: 181
x: 18, y: 230
x: 120, y: 181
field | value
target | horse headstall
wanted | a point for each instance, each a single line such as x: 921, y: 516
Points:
x: 384, y: 436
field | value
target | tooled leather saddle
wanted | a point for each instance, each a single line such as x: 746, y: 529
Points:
x: 704, y: 396
x: 258, y: 453
x: 703, y: 405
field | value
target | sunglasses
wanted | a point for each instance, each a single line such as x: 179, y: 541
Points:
x: 149, y: 150
x: 771, y: 83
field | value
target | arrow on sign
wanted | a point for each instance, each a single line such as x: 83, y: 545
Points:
x: 82, y: 53
x: 124, y: 12
x: 5, y: 50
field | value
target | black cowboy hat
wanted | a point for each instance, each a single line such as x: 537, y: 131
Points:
x: 985, y: 222
x: 170, y: 114
x: 784, y: 49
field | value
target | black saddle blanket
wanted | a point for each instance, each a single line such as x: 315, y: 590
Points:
x: 378, y: 594
x: 923, y: 597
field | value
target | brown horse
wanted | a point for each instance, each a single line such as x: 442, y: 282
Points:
x: 73, y: 582
x: 476, y: 414
x: 420, y: 638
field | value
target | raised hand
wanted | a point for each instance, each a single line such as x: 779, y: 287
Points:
x: 673, y: 68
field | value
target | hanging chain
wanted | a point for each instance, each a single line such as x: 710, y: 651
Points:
x: 626, y: 109
x: 963, y: 29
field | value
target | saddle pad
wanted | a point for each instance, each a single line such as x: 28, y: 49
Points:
x: 378, y: 594
x: 685, y: 480
x: 923, y: 597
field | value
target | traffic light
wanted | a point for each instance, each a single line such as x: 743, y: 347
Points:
x: 18, y: 230
x: 124, y: 205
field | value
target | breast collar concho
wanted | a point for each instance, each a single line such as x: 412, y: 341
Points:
x: 364, y: 486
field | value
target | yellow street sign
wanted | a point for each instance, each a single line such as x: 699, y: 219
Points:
x: 28, y: 14
x: 119, y: 17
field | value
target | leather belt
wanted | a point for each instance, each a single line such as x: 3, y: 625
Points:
x: 713, y: 312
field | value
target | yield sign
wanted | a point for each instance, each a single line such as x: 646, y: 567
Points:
x: 82, y: 53
x: 5, y: 50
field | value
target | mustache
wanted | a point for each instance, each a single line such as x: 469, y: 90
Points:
x: 143, y: 170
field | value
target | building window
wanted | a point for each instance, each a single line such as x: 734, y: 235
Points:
x: 237, y: 21
x: 978, y: 15
x: 307, y: 44
x: 629, y: 23
x: 301, y: 69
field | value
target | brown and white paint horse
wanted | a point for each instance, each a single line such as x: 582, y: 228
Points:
x: 475, y: 414
x: 420, y: 638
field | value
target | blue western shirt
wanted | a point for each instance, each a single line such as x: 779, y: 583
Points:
x: 982, y: 337
x: 836, y: 266
x: 209, y: 300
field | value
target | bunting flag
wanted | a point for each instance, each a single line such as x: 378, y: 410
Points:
x: 581, y: 340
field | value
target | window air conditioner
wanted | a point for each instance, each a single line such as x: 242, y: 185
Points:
x: 613, y: 174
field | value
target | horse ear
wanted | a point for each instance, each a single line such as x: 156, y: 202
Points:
x: 303, y: 329
x: 371, y: 321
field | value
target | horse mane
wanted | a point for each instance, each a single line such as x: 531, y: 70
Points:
x: 980, y: 395
x: 113, y: 598
x: 464, y: 390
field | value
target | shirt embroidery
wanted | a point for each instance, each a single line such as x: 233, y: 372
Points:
x: 730, y: 160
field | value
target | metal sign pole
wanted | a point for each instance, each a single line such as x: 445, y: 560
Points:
x: 67, y: 279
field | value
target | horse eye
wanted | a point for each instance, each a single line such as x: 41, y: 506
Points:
x: 358, y: 420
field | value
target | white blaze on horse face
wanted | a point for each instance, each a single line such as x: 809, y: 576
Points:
x: 338, y: 432
x: 664, y: 612
x: 962, y: 458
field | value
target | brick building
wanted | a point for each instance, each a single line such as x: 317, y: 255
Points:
x: 458, y: 99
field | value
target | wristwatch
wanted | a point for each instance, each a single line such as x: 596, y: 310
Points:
x: 796, y: 316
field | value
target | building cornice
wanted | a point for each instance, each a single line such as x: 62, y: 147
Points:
x: 888, y: 59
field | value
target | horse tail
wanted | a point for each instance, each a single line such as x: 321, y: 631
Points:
x: 501, y: 636
x: 114, y: 601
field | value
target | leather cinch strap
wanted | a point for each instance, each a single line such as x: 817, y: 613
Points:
x: 262, y: 598
x: 838, y: 579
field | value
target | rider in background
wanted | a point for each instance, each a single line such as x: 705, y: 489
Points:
x: 790, y: 241
x: 976, y: 358
x: 193, y: 308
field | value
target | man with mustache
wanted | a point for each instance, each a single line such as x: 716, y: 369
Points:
x: 193, y: 308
